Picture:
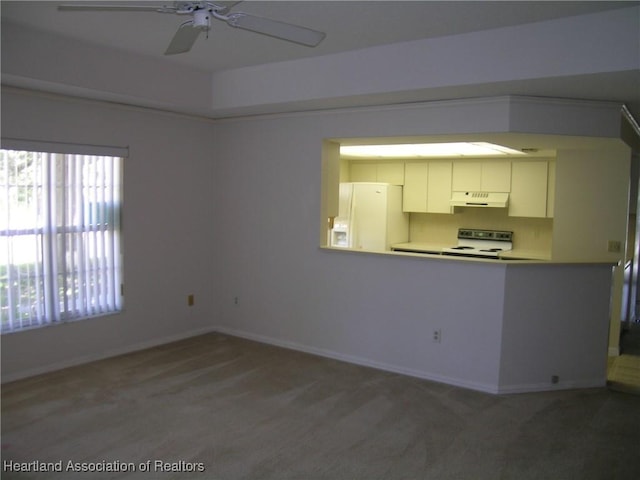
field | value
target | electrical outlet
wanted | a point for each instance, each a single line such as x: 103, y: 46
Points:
x: 437, y: 335
x: 191, y: 300
x: 614, y: 246
x: 236, y: 301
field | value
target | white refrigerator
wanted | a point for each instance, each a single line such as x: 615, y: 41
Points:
x: 370, y: 217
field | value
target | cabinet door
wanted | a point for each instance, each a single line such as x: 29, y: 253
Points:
x: 439, y: 187
x: 496, y: 176
x: 481, y: 176
x: 551, y: 189
x: 528, y: 196
x: 414, y: 193
x: 466, y: 176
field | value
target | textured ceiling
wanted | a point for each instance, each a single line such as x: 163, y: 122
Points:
x: 349, y: 25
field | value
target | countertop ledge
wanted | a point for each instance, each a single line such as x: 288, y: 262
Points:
x: 434, y: 248
x: 435, y: 255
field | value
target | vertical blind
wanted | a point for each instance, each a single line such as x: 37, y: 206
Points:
x: 60, y: 252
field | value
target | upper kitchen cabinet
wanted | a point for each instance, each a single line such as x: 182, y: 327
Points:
x: 376, y: 171
x: 481, y: 176
x: 466, y: 176
x: 551, y: 189
x: 529, y: 194
x: 414, y: 193
x: 439, y: 187
x: 427, y: 187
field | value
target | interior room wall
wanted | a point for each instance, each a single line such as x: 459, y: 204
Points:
x: 276, y: 285
x: 563, y: 336
x: 229, y: 211
x: 167, y: 228
x: 591, y: 185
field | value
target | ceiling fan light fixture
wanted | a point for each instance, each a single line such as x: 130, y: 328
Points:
x: 201, y: 19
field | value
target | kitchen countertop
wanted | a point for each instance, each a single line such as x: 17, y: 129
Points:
x: 419, y: 247
x: 435, y: 248
x: 431, y: 252
x: 516, y: 254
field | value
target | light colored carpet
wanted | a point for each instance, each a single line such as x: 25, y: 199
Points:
x: 249, y: 411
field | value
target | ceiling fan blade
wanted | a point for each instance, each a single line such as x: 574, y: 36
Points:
x: 274, y: 28
x: 96, y: 7
x: 184, y: 39
x: 227, y: 6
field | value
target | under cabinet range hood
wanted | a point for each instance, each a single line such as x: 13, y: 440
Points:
x: 480, y: 199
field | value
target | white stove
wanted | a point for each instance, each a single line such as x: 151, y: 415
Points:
x: 480, y: 243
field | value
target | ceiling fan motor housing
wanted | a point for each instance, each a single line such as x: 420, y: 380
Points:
x: 201, y: 19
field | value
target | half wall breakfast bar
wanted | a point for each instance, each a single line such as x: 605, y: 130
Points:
x: 517, y: 325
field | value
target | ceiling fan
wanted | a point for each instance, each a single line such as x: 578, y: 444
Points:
x: 200, y: 21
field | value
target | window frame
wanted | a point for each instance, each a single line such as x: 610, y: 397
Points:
x: 117, y: 278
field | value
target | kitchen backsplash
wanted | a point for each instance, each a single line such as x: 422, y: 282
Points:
x: 531, y: 234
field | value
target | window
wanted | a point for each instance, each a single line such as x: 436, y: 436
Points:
x: 60, y: 252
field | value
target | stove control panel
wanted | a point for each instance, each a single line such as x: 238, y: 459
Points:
x: 495, y: 235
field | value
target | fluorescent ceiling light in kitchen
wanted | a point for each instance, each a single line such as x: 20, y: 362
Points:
x: 455, y: 149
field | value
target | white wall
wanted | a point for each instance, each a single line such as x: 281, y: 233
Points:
x: 591, y: 184
x: 591, y: 205
x: 230, y: 209
x: 371, y: 309
x: 167, y: 228
x: 555, y: 324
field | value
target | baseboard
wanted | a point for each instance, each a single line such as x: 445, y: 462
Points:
x: 106, y: 354
x: 614, y: 351
x: 550, y: 387
x: 365, y: 362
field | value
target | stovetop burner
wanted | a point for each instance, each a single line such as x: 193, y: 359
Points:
x: 481, y: 243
